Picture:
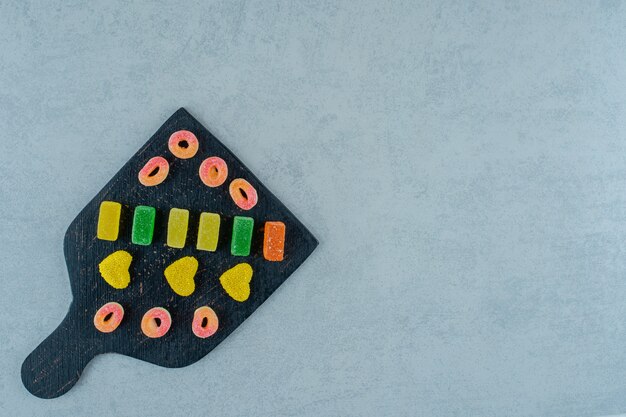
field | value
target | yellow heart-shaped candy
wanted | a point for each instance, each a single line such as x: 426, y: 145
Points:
x: 114, y: 269
x: 236, y: 281
x: 180, y: 275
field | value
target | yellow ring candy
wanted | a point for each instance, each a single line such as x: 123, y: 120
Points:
x: 156, y: 322
x: 205, y: 322
x: 213, y: 171
x: 243, y: 194
x: 154, y: 172
x: 108, y: 317
x: 183, y: 144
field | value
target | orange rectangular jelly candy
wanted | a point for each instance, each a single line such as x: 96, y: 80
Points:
x: 274, y: 241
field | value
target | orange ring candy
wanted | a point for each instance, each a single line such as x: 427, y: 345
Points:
x: 205, y: 322
x: 213, y: 171
x: 243, y: 194
x: 156, y: 322
x: 108, y: 317
x: 183, y: 144
x: 154, y: 172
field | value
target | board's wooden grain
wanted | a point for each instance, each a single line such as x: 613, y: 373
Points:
x: 57, y: 363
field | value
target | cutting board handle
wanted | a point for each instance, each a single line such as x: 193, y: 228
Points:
x: 57, y: 363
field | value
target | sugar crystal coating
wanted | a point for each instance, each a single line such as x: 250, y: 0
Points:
x: 236, y: 282
x: 208, y: 231
x: 180, y: 275
x: 156, y: 322
x: 108, y: 317
x: 205, y: 322
x: 243, y: 194
x: 183, y: 144
x: 274, y: 241
x: 143, y: 225
x: 242, y: 236
x: 177, y: 228
x: 154, y: 172
x: 114, y: 269
x: 213, y: 171
x: 109, y: 220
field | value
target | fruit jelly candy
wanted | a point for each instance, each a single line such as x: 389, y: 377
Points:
x: 274, y: 241
x: 154, y: 172
x: 143, y: 225
x: 108, y: 317
x: 208, y: 231
x: 177, y: 228
x: 180, y: 275
x: 242, y: 236
x: 115, y: 269
x: 153, y: 328
x: 109, y: 220
x: 236, y: 281
x: 243, y: 194
x: 205, y: 322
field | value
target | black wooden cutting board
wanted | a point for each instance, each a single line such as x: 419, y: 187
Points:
x: 57, y: 363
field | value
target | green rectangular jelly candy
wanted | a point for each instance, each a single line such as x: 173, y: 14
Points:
x: 143, y: 225
x: 242, y: 236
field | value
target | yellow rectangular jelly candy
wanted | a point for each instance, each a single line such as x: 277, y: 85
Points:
x: 109, y: 220
x: 208, y: 231
x: 177, y: 228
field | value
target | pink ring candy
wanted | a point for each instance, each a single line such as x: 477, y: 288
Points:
x: 108, y: 317
x: 183, y: 144
x: 205, y: 322
x: 156, y: 322
x: 213, y: 171
x: 154, y: 172
x: 243, y: 194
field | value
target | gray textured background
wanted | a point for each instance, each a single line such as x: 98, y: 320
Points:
x: 463, y: 165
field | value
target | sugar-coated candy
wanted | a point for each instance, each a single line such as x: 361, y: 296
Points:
x: 242, y: 236
x: 109, y: 220
x: 154, y: 172
x: 156, y: 322
x: 205, y: 322
x: 183, y: 144
x: 108, y: 317
x: 274, y: 241
x: 236, y: 282
x: 213, y: 171
x: 143, y: 225
x: 180, y: 275
x: 243, y: 194
x: 177, y: 225
x: 114, y: 269
x: 208, y: 231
